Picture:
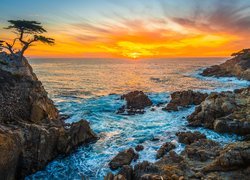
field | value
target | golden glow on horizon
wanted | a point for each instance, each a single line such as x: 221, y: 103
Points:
x: 142, y: 41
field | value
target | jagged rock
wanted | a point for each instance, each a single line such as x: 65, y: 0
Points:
x: 136, y: 101
x: 139, y: 147
x: 232, y: 157
x: 109, y: 176
x: 238, y: 66
x: 184, y: 99
x: 127, y: 172
x: 122, y: 158
x: 31, y: 130
x: 143, y: 168
x: 165, y: 148
x: 151, y: 177
x: 202, y: 159
x: 189, y: 137
x: 224, y: 112
x: 202, y: 150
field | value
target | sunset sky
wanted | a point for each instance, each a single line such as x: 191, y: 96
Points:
x: 134, y: 29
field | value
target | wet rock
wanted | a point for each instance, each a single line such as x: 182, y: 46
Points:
x: 143, y: 168
x: 109, y: 176
x: 31, y: 131
x: 189, y: 137
x: 232, y: 157
x: 202, y: 150
x: 165, y: 148
x: 122, y: 158
x: 184, y: 99
x: 127, y: 172
x: 175, y: 157
x: 224, y: 112
x: 136, y: 157
x: 136, y: 101
x: 139, y: 147
x: 202, y: 159
x: 238, y: 66
x: 151, y: 177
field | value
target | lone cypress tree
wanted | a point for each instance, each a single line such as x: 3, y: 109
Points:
x: 27, y: 32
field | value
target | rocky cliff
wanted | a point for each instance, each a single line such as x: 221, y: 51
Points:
x: 31, y: 131
x: 238, y: 66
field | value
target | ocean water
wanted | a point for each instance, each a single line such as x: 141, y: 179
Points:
x: 90, y: 89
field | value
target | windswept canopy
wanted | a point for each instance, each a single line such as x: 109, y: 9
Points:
x: 23, y: 26
x: 28, y: 32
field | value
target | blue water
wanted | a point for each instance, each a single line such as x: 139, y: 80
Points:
x: 83, y: 99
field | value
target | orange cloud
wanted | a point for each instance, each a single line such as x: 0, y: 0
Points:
x: 217, y: 33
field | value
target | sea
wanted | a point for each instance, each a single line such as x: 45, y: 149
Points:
x: 90, y: 89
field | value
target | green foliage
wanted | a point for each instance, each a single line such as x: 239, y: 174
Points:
x: 45, y: 40
x: 23, y: 26
x: 28, y: 32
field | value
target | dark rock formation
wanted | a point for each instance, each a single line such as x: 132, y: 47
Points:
x: 203, y: 159
x: 238, y: 66
x: 165, y: 148
x: 189, y: 137
x: 136, y: 101
x: 233, y: 157
x: 127, y: 172
x: 144, y: 169
x: 184, y: 99
x: 224, y: 112
x: 139, y: 147
x: 202, y: 150
x: 122, y: 158
x: 31, y: 132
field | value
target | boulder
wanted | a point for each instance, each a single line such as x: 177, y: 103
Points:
x: 127, y: 172
x: 225, y: 112
x: 184, y: 99
x: 165, y: 148
x: 139, y: 147
x: 122, y: 158
x: 238, y: 66
x: 202, y: 150
x: 202, y: 159
x: 189, y: 137
x: 136, y: 101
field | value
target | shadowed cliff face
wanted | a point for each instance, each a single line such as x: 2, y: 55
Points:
x: 31, y: 132
x: 22, y: 98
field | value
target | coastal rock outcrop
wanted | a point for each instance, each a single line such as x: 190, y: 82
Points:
x: 238, y: 66
x: 224, y: 112
x: 165, y: 148
x: 122, y: 158
x: 31, y: 131
x: 189, y: 137
x: 202, y: 159
x: 184, y: 99
x: 136, y: 101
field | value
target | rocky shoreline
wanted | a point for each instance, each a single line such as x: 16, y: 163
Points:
x: 225, y: 112
x: 238, y: 66
x: 32, y: 132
